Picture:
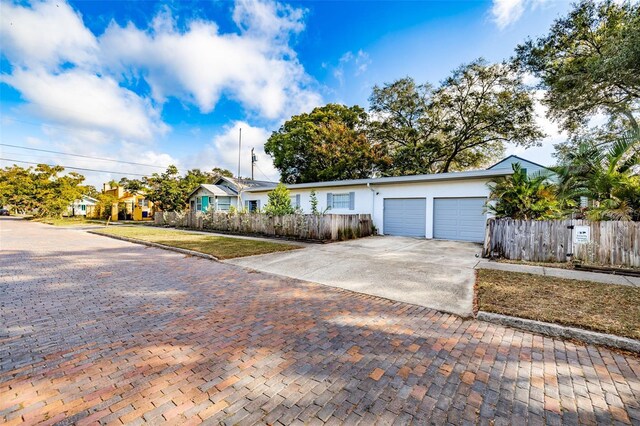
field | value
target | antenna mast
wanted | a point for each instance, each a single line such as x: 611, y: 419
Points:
x: 239, y: 150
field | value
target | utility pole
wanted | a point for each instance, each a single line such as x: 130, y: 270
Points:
x: 239, y: 150
x: 239, y: 203
x: 253, y: 161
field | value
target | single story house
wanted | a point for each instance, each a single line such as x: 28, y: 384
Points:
x: 82, y: 207
x: 222, y: 194
x: 448, y: 206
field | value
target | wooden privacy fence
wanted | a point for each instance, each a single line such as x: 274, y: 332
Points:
x: 612, y: 243
x: 328, y: 227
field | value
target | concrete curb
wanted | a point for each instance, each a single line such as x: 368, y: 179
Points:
x: 555, y: 330
x: 156, y: 245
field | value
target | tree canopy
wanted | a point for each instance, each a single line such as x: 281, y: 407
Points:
x: 43, y: 190
x: 330, y: 143
x: 463, y: 123
x: 589, y: 63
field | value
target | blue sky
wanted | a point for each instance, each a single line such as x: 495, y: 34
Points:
x: 172, y: 82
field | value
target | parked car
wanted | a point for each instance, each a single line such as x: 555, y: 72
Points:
x: 4, y: 212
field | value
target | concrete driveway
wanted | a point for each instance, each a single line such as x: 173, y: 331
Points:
x: 432, y: 273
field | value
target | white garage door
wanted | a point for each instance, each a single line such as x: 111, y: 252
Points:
x: 405, y: 217
x: 461, y: 219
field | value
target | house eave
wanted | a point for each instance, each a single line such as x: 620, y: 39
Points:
x: 435, y: 177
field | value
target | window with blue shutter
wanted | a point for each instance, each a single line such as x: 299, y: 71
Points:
x: 342, y: 201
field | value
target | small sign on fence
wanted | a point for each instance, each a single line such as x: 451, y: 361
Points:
x: 581, y: 234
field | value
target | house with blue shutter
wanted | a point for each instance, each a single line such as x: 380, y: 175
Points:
x: 449, y: 206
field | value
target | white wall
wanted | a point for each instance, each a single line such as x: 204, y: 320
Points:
x: 431, y: 190
x: 368, y: 203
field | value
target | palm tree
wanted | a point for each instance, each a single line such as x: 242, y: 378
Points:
x: 520, y: 196
x: 608, y: 178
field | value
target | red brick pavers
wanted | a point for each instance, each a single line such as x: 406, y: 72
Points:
x: 99, y: 331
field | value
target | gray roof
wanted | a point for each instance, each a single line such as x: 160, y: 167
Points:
x: 434, y: 177
x: 217, y: 190
x: 248, y: 183
x: 519, y: 158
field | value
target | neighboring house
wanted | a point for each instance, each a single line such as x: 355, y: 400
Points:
x: 223, y: 194
x: 529, y: 166
x: 448, y: 206
x: 82, y: 207
x: 135, y: 206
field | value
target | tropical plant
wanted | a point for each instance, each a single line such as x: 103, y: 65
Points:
x: 520, y: 196
x: 279, y: 202
x: 608, y: 178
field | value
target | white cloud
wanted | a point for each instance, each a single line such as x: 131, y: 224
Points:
x: 81, y: 100
x: 256, y: 68
x: 268, y: 19
x: 223, y: 152
x: 77, y: 83
x: 45, y: 34
x: 351, y: 65
x: 507, y: 12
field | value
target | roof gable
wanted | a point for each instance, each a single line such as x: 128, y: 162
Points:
x: 506, y: 161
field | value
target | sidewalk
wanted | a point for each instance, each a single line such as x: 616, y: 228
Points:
x: 560, y: 273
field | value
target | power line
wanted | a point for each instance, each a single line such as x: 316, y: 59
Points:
x: 263, y: 174
x: 82, y: 156
x: 73, y: 168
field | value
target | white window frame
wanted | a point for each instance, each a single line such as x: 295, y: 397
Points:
x: 225, y: 207
x: 343, y: 203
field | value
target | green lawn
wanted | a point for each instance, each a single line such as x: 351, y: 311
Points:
x: 220, y: 247
x: 606, y: 308
x: 68, y: 221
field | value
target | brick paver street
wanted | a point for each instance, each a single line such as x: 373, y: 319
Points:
x: 98, y: 330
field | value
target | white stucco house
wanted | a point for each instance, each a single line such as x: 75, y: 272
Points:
x: 82, y: 206
x: 444, y: 206
x: 450, y: 206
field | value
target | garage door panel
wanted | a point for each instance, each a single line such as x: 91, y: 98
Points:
x: 460, y: 219
x: 405, y: 216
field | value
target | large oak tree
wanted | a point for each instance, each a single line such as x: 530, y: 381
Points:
x: 589, y: 63
x: 330, y: 143
x: 463, y: 123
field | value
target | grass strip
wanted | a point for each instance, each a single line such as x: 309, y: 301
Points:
x: 220, y: 247
x: 606, y: 308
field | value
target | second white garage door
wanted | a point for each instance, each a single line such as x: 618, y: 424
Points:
x: 461, y: 219
x: 405, y: 217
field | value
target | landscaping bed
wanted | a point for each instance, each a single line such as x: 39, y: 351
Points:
x: 219, y: 247
x: 606, y: 308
